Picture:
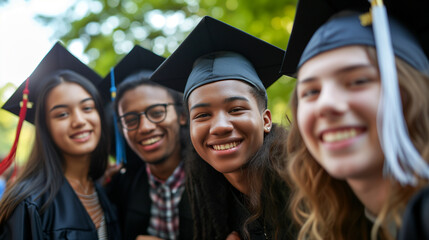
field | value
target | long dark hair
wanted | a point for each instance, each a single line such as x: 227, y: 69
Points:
x: 43, y: 173
x: 211, y: 196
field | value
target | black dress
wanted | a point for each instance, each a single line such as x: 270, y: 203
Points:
x: 130, y: 193
x: 65, y: 218
x: 415, y: 223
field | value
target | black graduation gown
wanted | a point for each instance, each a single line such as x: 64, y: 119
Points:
x: 240, y: 213
x: 415, y: 223
x: 130, y: 193
x: 65, y: 218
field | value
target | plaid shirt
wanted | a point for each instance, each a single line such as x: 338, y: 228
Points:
x: 166, y: 195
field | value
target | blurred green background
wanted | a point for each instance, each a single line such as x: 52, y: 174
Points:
x: 108, y: 29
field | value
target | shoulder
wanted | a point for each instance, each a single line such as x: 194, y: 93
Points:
x: 416, y: 217
x: 420, y: 202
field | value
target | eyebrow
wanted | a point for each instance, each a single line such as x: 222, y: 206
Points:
x: 339, y: 71
x: 64, y: 105
x: 235, y: 98
x: 199, y: 105
x: 226, y: 100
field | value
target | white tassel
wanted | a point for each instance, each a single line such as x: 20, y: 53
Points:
x: 402, y: 160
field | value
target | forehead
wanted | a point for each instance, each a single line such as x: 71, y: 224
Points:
x: 144, y: 95
x: 66, y: 93
x: 218, y: 91
x: 333, y: 61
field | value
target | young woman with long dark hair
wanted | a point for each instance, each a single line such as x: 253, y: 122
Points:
x: 56, y: 195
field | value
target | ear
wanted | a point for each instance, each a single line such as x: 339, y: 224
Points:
x: 182, y: 119
x: 266, y: 115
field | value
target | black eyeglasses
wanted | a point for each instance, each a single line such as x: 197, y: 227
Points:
x: 155, y: 113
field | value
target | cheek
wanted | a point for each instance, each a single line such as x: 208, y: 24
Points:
x: 305, y: 120
x: 366, y: 105
x: 197, y: 133
x: 194, y: 133
x: 130, y: 136
x: 97, y: 124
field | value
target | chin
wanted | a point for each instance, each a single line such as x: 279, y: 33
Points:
x: 226, y: 170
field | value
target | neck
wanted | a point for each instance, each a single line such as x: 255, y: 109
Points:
x: 239, y: 181
x: 372, y: 192
x: 77, y: 168
x: 164, y: 169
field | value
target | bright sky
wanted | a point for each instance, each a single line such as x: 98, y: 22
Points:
x: 24, y: 41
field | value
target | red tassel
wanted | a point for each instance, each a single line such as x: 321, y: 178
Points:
x: 7, y: 161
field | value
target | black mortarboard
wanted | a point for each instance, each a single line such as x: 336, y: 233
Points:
x: 216, y: 51
x: 138, y: 61
x: 402, y: 30
x: 58, y: 58
x: 311, y: 14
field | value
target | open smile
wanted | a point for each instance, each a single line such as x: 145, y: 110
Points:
x: 151, y: 141
x: 332, y: 136
x: 81, y: 135
x: 225, y: 146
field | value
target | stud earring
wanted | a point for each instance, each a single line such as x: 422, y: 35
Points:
x: 267, y: 128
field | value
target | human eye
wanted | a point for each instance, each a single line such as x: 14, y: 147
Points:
x: 201, y: 116
x: 156, y: 112
x: 309, y: 92
x: 61, y: 114
x: 130, y: 119
x: 88, y: 108
x: 237, y: 109
x: 359, y: 82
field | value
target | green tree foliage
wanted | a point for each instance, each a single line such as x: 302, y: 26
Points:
x: 108, y: 29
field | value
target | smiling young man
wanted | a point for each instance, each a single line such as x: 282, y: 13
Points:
x: 150, y: 195
x: 233, y: 182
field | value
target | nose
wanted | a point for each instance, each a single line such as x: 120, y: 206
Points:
x: 78, y: 119
x: 145, y: 125
x: 332, y: 102
x: 221, y: 125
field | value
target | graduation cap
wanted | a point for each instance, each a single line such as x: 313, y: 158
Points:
x: 138, y: 61
x: 312, y: 14
x: 21, y: 103
x: 403, y: 32
x: 58, y: 58
x: 216, y: 51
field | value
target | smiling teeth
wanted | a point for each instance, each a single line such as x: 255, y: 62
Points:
x: 339, y: 135
x: 81, y: 135
x: 151, y: 140
x: 225, y: 146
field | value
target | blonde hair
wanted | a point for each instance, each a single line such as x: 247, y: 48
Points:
x: 327, y: 208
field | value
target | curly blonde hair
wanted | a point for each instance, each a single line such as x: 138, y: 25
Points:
x: 327, y: 208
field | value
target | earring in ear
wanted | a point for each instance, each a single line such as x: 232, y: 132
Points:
x: 267, y: 128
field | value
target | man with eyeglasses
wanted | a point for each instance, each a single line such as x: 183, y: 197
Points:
x: 151, y: 198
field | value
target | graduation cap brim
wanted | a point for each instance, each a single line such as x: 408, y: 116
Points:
x: 311, y: 14
x: 58, y: 58
x: 136, y: 60
x: 209, y: 36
